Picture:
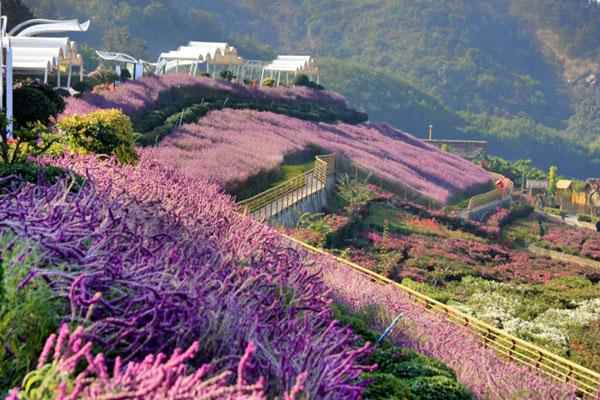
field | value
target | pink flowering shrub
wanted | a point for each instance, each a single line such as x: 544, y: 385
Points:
x: 438, y: 259
x: 155, y: 377
x: 483, y: 371
x: 155, y: 261
x: 230, y: 146
x: 571, y: 240
x: 152, y: 92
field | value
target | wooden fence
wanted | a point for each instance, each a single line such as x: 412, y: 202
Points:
x: 515, y: 349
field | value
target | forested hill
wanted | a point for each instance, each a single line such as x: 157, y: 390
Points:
x: 520, y: 73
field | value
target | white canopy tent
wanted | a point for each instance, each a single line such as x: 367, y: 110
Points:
x: 21, y: 50
x: 195, y: 53
x: 35, y: 27
x: 62, y: 50
x: 287, y: 65
x: 137, y: 66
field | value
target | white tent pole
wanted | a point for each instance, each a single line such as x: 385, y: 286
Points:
x: 262, y: 77
x: 69, y: 77
x: 46, y: 76
x: 176, y: 66
x: 9, y: 90
x: 81, y: 72
x: 278, y: 77
x: 58, y: 76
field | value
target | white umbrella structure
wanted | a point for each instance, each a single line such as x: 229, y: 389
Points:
x: 287, y: 65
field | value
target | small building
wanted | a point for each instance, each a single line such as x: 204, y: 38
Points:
x: 536, y: 186
x: 468, y: 149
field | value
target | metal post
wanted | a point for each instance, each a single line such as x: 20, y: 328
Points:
x: 262, y: 76
x: 9, y: 90
x: 58, y: 76
x: 69, y: 77
x: 46, y: 76
x: 278, y: 78
x: 430, y: 132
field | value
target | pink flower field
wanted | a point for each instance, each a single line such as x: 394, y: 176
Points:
x: 229, y: 146
x: 134, y: 96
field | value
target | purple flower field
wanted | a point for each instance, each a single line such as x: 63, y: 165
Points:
x: 155, y: 261
x: 229, y: 146
x: 134, y: 96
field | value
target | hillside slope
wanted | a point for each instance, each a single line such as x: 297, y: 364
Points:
x: 407, y: 63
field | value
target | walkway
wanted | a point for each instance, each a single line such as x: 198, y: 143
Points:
x: 311, y: 186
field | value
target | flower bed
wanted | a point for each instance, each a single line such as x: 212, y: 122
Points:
x: 575, y: 241
x: 230, y: 146
x: 151, y: 260
x: 485, y: 373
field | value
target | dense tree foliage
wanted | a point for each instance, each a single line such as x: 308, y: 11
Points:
x: 502, y: 63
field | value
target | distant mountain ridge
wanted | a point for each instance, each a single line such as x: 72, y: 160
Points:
x: 492, y: 69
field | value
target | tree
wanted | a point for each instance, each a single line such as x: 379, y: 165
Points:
x: 552, y: 180
x: 16, y: 12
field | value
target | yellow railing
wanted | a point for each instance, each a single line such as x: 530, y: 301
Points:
x: 324, y: 166
x: 486, y: 198
x: 263, y: 199
x: 517, y: 350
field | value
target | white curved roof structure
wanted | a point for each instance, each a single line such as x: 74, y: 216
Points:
x: 36, y: 27
x: 117, y: 57
x: 68, y: 47
x: 216, y: 53
x: 295, y: 64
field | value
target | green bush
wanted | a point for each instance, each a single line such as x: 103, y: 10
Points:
x: 586, y: 218
x: 32, y: 105
x: 438, y: 388
x: 27, y: 315
x: 386, y: 387
x: 555, y: 211
x: 303, y: 80
x: 83, y: 86
x: 35, y: 101
x: 125, y: 75
x: 269, y: 82
x: 102, y: 132
x: 103, y: 76
x: 34, y: 173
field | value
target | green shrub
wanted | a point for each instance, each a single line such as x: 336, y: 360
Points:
x: 303, y: 80
x: 33, y: 173
x: 555, y: 211
x: 586, y: 218
x: 409, y: 364
x: 34, y: 101
x: 103, y: 75
x: 31, y: 105
x: 62, y: 92
x: 125, y: 75
x: 227, y: 75
x: 269, y: 82
x: 438, y: 388
x: 386, y: 387
x: 83, y: 86
x: 27, y: 315
x: 103, y: 132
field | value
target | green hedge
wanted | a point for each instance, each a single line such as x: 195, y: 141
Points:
x: 587, y: 218
x: 555, y: 211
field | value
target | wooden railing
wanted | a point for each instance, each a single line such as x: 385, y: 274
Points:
x: 515, y: 349
x: 402, y: 192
